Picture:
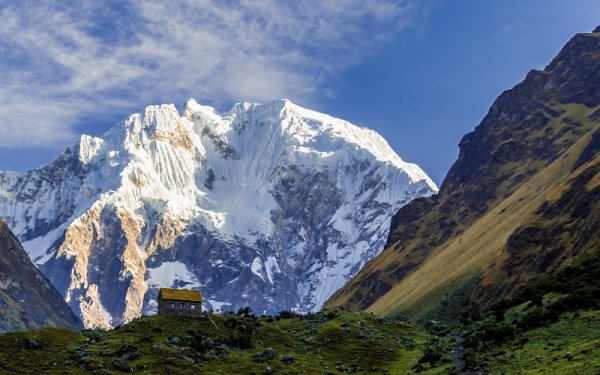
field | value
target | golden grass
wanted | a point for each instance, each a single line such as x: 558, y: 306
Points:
x: 479, y: 247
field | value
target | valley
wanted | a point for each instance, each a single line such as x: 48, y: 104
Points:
x: 311, y: 247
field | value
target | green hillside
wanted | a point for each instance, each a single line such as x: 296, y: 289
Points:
x: 569, y: 346
x: 331, y: 342
x: 551, y: 326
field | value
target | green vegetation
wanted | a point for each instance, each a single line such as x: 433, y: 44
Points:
x: 553, y: 325
x: 332, y: 342
x: 569, y: 346
x: 451, y: 307
x: 575, y: 287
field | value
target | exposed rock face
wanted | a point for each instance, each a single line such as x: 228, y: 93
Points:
x: 27, y: 298
x: 521, y: 199
x: 269, y: 206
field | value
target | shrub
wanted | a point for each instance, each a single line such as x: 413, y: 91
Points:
x: 434, y: 352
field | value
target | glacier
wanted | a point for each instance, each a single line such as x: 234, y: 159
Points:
x: 271, y: 206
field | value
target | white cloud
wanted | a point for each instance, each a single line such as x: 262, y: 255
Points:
x: 61, y: 62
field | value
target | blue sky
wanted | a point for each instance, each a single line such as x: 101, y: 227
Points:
x: 421, y: 73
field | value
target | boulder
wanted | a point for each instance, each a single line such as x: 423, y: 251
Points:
x: 121, y: 365
x: 267, y: 355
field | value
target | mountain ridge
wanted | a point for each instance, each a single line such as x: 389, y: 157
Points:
x: 472, y: 237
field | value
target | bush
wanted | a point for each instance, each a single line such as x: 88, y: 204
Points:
x: 245, y: 312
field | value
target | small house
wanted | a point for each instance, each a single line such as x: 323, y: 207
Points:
x: 181, y: 302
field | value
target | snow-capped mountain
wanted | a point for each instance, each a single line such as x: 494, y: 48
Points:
x: 270, y: 206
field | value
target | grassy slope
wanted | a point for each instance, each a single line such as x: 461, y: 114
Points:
x: 570, y: 346
x: 526, y: 148
x: 551, y: 326
x: 332, y: 342
x: 479, y: 248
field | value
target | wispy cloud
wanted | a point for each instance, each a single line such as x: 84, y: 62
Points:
x: 60, y: 61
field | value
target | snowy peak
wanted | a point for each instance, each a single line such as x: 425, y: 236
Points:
x: 302, y: 130
x: 272, y: 206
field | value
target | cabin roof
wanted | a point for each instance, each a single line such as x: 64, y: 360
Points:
x: 180, y: 294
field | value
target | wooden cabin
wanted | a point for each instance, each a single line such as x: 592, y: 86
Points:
x: 181, y: 302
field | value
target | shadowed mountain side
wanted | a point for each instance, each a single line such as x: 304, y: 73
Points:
x: 521, y: 199
x: 27, y: 299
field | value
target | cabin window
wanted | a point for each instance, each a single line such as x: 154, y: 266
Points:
x: 172, y: 305
x: 193, y: 306
x: 181, y: 305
